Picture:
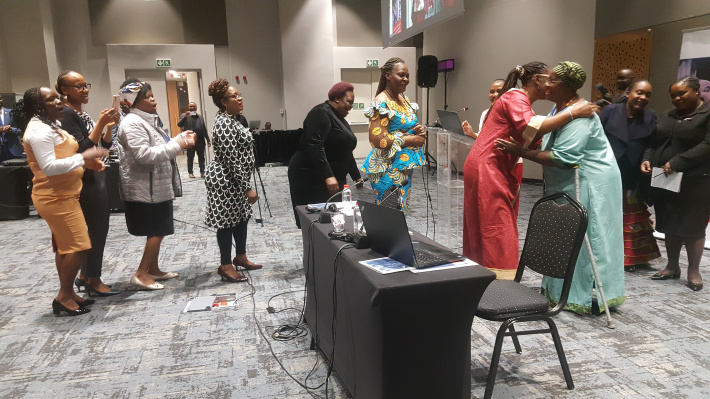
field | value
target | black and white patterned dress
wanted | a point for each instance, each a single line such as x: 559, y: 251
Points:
x: 227, y: 176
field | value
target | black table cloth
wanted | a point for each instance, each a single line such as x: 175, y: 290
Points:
x: 15, y: 196
x: 399, y: 335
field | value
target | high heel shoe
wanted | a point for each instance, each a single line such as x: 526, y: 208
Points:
x: 85, y: 303
x: 79, y: 283
x: 236, y: 263
x: 91, y: 291
x: 225, y: 277
x: 57, y: 308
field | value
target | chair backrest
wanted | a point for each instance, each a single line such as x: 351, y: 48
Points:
x: 554, y: 237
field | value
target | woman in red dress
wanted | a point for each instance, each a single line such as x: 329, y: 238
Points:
x: 492, y: 178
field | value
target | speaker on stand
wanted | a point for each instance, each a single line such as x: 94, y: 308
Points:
x: 427, y: 76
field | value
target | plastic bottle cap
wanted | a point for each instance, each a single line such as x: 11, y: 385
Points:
x: 346, y: 186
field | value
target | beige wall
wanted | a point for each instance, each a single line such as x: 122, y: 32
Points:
x: 615, y: 16
x: 24, y: 53
x: 255, y: 52
x: 307, y: 41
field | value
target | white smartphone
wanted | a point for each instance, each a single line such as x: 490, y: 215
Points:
x: 116, y: 102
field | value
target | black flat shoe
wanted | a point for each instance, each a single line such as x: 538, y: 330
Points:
x: 659, y: 276
x: 91, y: 291
x: 57, y: 308
x: 695, y: 286
x: 630, y: 269
x: 85, y: 303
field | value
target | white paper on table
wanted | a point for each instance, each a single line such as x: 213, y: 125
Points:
x: 385, y: 265
x: 463, y: 263
x: 670, y: 182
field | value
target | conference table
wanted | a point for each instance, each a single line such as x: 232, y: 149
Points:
x: 398, y: 335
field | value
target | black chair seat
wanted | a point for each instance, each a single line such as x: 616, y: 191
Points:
x: 505, y: 298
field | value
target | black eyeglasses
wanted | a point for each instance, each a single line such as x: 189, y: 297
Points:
x: 86, y: 86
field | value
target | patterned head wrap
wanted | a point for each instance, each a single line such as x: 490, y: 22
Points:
x: 129, y: 92
x: 571, y: 73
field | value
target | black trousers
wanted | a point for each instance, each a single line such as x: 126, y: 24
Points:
x: 95, y: 206
x: 200, y: 150
x: 224, y: 241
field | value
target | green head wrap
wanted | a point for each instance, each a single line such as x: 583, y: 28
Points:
x: 571, y: 73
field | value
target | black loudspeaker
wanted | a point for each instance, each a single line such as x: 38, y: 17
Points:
x: 427, y: 74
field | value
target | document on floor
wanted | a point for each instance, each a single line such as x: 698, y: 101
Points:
x: 209, y: 302
x: 670, y: 182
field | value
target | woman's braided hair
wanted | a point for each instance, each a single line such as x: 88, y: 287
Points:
x: 216, y: 91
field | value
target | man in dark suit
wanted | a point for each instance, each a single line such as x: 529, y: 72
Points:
x: 193, y: 121
x: 10, y: 144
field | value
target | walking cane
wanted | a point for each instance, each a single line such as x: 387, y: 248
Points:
x: 609, y: 321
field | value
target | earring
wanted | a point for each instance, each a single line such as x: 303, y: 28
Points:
x: 336, y: 101
x: 538, y: 87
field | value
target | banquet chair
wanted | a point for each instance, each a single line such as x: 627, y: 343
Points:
x: 552, y: 243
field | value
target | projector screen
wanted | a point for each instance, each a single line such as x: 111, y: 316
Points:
x: 402, y: 19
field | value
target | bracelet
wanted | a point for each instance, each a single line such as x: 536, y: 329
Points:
x: 570, y: 114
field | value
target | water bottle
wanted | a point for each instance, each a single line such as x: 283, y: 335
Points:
x: 347, y: 194
x: 347, y: 207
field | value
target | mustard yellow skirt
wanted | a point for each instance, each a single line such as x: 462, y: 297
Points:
x: 66, y: 221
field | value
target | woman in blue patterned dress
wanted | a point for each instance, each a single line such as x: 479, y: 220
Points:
x: 395, y: 135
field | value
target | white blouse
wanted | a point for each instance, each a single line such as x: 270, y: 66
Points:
x: 42, y: 138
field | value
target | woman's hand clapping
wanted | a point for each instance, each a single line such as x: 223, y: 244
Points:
x: 109, y: 116
x: 92, y: 158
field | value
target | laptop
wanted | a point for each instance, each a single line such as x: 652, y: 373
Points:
x: 450, y: 121
x: 388, y: 234
x: 254, y: 125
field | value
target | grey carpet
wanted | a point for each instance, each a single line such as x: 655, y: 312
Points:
x: 140, y: 344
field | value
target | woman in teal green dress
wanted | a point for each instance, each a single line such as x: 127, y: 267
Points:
x: 581, y: 145
x: 395, y: 136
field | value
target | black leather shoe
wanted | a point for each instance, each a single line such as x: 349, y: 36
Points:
x: 85, y: 303
x: 695, y: 286
x: 659, y: 276
x: 57, y: 308
x: 91, y: 291
x: 79, y: 284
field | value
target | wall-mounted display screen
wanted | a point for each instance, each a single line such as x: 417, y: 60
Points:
x: 445, y: 65
x: 402, y: 19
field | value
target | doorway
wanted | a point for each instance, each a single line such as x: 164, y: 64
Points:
x: 173, y: 91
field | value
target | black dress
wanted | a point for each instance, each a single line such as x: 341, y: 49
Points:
x: 325, y: 150
x: 94, y: 193
x: 685, y: 143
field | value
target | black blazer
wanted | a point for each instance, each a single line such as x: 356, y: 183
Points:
x: 628, y: 139
x: 684, y: 142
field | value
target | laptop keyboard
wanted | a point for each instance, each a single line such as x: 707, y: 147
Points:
x: 425, y: 258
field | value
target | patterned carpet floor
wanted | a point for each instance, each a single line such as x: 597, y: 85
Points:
x: 141, y: 345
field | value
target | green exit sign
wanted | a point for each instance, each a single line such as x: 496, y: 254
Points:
x: 373, y: 63
x: 164, y: 63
